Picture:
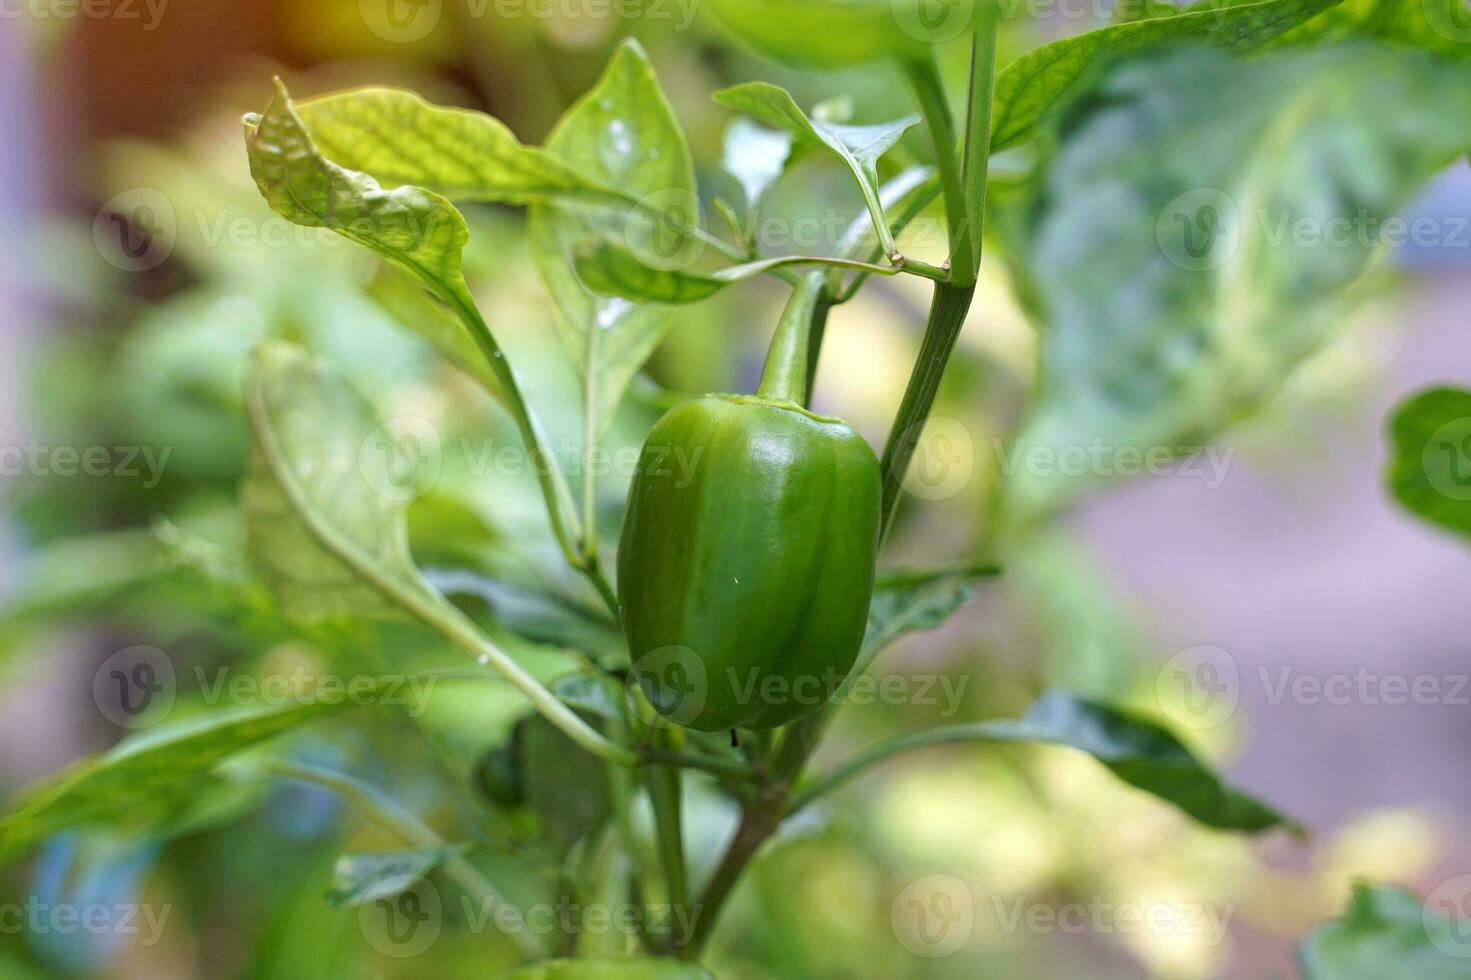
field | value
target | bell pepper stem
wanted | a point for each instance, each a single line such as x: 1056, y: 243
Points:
x: 784, y: 377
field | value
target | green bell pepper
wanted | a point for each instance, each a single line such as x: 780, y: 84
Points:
x: 744, y: 576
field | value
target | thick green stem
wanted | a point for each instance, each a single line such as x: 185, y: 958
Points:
x: 664, y: 796
x: 760, y: 818
x: 784, y: 378
x: 976, y: 164
x: 947, y: 316
x: 965, y: 203
x: 815, y: 336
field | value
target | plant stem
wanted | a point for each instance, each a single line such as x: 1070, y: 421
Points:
x: 590, y: 397
x: 923, y: 269
x: 917, y: 201
x: 976, y: 163
x: 560, y: 507
x: 705, y: 763
x: 460, y: 631
x: 570, y: 533
x: 816, y: 333
x: 965, y: 207
x: 784, y: 377
x: 415, y: 595
x: 664, y: 796
x: 903, y: 743
x: 759, y: 821
x: 924, y: 78
x: 947, y: 315
x: 760, y: 818
x: 413, y: 832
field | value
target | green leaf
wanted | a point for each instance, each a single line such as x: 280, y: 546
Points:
x: 325, y: 494
x: 324, y: 501
x: 402, y: 140
x: 859, y: 147
x: 1129, y: 11
x: 1440, y: 26
x: 755, y: 156
x: 1430, y: 457
x: 148, y: 778
x: 608, y: 268
x: 1143, y: 754
x: 623, y: 134
x: 416, y: 229
x: 1387, y: 932
x: 1035, y: 83
x: 840, y: 33
x: 911, y: 601
x: 412, y: 227
x: 361, y: 879
x: 1192, y: 236
x: 613, y: 968
x: 1140, y: 752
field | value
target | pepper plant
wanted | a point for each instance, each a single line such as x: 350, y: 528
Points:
x: 751, y: 591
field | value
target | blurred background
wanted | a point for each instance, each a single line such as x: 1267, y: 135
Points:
x: 140, y: 266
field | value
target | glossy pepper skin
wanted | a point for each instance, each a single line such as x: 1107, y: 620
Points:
x: 747, y: 559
